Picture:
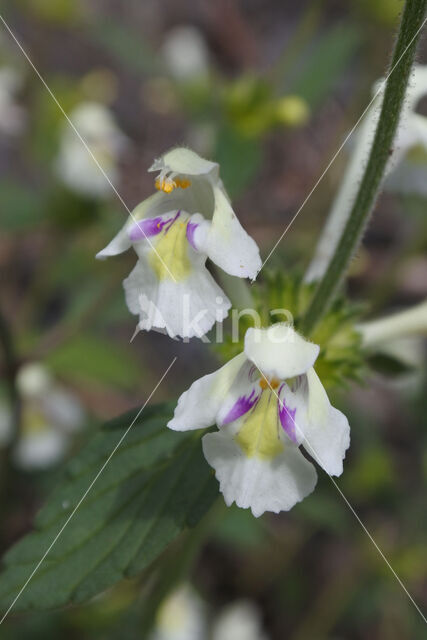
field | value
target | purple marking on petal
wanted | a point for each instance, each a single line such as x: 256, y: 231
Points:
x: 191, y: 228
x: 287, y: 419
x: 252, y: 372
x: 172, y: 220
x: 147, y: 228
x: 242, y: 405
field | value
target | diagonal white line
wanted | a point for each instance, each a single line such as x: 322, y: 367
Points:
x: 83, y: 141
x: 36, y: 568
x: 316, y: 456
x: 348, y: 136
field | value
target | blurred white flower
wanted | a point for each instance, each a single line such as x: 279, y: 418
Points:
x: 182, y: 616
x: 12, y: 116
x: 406, y: 170
x: 410, y: 322
x: 49, y: 415
x: 401, y: 336
x: 75, y: 166
x: 185, y: 53
x: 239, y: 621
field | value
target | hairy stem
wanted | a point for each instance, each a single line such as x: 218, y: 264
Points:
x: 394, y: 96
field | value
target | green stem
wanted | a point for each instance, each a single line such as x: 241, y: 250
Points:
x: 394, y: 96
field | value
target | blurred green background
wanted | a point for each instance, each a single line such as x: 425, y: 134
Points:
x: 268, y: 89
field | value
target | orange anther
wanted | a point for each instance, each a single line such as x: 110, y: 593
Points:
x: 269, y: 384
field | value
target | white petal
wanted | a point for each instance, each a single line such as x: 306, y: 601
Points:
x: 185, y: 161
x: 62, y: 408
x: 198, y: 406
x: 181, y: 616
x: 261, y: 485
x: 227, y: 243
x: 239, y: 621
x: 120, y: 243
x: 412, y: 131
x: 187, y: 308
x: 417, y: 84
x: 408, y: 178
x: 33, y: 380
x: 326, y: 430
x: 280, y: 351
x: 186, y: 54
x: 419, y: 126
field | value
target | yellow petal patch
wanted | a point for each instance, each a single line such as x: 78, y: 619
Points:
x: 259, y: 435
x: 171, y: 254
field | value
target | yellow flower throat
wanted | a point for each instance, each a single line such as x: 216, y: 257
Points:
x: 260, y: 436
x: 171, y: 253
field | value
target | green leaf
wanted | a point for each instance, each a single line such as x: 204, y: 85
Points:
x: 156, y: 485
x: 324, y: 511
x: 127, y: 46
x: 239, y: 528
x: 95, y: 360
x: 231, y: 147
x: 326, y: 63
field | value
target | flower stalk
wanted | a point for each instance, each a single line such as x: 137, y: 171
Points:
x: 413, y: 19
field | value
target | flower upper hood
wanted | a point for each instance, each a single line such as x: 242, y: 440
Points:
x: 173, y: 232
x: 266, y: 402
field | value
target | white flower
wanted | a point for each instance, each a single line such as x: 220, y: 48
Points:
x: 74, y: 164
x: 12, y: 116
x: 184, y: 616
x: 410, y: 322
x: 408, y: 164
x: 405, y: 172
x: 185, y: 53
x: 410, y: 141
x: 50, y: 414
x: 267, y: 401
x: 173, y: 232
x: 239, y: 621
x: 181, y: 617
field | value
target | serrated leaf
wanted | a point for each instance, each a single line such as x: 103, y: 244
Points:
x: 156, y: 485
